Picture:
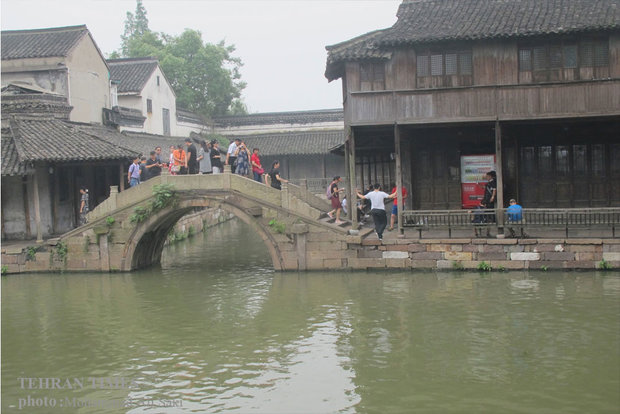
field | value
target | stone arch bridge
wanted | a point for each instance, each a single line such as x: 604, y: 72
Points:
x: 298, y: 238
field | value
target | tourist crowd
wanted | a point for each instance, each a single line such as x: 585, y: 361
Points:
x: 207, y: 159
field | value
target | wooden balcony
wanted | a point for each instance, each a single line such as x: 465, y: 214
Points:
x: 485, y: 103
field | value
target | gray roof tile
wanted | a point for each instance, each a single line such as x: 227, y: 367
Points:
x: 132, y: 73
x: 54, y: 140
x: 295, y: 143
x: 427, y: 21
x: 57, y: 41
x: 10, y: 158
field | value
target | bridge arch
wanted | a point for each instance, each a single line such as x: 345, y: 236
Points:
x: 146, y: 242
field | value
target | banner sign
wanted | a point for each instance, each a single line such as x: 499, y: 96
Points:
x: 473, y: 180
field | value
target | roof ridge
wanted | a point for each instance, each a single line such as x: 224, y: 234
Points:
x: 146, y: 59
x: 280, y: 113
x: 46, y: 30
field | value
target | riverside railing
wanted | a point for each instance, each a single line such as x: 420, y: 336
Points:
x: 482, y: 220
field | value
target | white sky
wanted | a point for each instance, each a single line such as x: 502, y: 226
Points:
x: 281, y: 43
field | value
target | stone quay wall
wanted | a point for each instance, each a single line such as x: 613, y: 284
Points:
x: 85, y: 255
x: 468, y: 254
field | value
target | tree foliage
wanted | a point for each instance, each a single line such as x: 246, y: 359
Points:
x: 204, y: 76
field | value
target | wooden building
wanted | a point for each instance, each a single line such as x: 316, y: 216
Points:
x: 534, y: 82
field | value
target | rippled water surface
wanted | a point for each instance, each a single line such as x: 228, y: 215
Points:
x: 216, y: 330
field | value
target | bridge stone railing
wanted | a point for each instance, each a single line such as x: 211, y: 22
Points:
x: 291, y: 197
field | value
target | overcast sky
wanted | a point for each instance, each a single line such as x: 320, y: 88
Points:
x: 281, y: 43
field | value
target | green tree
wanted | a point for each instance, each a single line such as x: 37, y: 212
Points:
x: 204, y: 76
x: 136, y: 25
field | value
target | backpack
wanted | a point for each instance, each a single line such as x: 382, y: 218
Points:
x: 328, y: 192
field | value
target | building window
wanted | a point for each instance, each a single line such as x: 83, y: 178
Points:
x: 157, y: 80
x: 166, y: 119
x: 149, y: 106
x: 372, y: 76
x: 564, y: 60
x: 436, y: 69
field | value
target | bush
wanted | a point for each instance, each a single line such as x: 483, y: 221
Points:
x: 604, y: 265
x: 277, y: 226
x: 165, y: 196
x: 484, y: 267
x: 31, y: 253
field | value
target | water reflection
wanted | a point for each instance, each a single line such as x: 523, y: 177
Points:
x: 218, y: 329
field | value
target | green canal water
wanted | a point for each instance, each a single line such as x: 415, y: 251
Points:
x: 215, y: 329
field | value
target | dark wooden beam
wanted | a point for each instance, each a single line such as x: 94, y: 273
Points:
x: 399, y: 180
x: 352, y: 203
x: 500, y: 178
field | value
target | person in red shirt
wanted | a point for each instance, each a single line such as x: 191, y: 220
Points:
x: 395, y: 205
x: 257, y: 168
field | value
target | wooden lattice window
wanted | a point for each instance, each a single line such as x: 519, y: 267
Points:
x: 443, y: 68
x: 372, y: 76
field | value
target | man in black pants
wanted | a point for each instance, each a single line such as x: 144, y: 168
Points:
x: 377, y: 199
x: 230, y: 155
x: 191, y: 154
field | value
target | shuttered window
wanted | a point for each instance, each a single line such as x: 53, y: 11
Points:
x: 444, y: 68
x: 564, y: 60
x: 372, y: 76
x: 422, y: 66
x: 436, y: 65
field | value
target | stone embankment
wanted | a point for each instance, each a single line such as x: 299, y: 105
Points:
x: 496, y: 253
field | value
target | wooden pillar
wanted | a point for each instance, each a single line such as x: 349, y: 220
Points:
x: 499, y: 213
x: 399, y: 179
x: 37, y: 206
x: 121, y: 180
x: 26, y: 205
x: 351, y: 196
x: 352, y: 181
x: 323, y: 166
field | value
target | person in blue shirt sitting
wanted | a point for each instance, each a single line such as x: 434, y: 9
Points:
x: 515, y: 215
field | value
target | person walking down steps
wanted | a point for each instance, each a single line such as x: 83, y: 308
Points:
x: 377, y: 210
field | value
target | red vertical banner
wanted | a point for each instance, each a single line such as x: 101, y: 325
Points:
x: 473, y: 177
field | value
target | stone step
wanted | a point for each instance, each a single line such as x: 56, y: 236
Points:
x: 328, y: 220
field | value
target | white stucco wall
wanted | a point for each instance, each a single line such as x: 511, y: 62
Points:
x: 274, y: 128
x: 46, y: 73
x: 89, y: 82
x: 162, y: 97
x: 185, y: 128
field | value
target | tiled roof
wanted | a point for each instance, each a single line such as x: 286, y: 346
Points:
x: 185, y: 115
x: 57, y: 41
x: 361, y: 47
x: 294, y: 117
x: 132, y: 73
x: 294, y: 143
x: 10, y: 159
x: 143, y: 143
x: 428, y: 21
x: 424, y: 21
x: 48, y: 139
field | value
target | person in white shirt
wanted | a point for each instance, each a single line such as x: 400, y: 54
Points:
x: 377, y: 210
x: 230, y: 154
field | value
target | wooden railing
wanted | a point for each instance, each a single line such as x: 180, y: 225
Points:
x: 566, y: 219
